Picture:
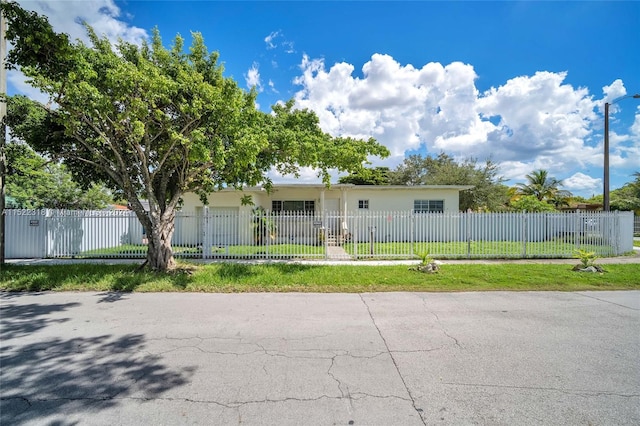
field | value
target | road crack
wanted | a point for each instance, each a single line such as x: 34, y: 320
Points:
x: 395, y: 363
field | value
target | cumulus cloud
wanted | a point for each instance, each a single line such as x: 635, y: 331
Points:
x: 104, y: 16
x: 305, y: 175
x: 613, y: 91
x: 635, y: 128
x: 579, y: 182
x: 252, y: 77
x: 529, y: 122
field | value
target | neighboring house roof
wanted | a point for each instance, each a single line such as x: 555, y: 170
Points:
x: 118, y: 207
x: 583, y: 206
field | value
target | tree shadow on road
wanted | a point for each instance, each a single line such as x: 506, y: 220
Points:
x: 47, y: 380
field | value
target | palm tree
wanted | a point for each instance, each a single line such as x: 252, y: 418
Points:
x: 542, y: 186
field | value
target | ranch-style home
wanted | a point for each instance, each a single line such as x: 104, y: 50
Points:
x: 302, y: 209
x: 317, y: 198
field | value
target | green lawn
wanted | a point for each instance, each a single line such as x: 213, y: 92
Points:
x: 273, y: 250
x: 235, y: 277
x: 442, y: 250
x: 476, y: 249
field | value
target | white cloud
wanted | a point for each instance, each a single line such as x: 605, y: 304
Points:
x: 305, y: 175
x: 613, y: 91
x: 580, y: 182
x: 529, y: 122
x: 276, y: 39
x: 635, y: 128
x: 103, y: 15
x: 270, y: 40
x: 272, y: 86
x: 67, y: 17
x: 252, y: 77
x: 288, y: 47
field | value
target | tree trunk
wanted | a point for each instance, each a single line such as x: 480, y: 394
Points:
x: 159, y: 251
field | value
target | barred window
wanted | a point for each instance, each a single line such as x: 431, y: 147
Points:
x: 428, y: 206
x: 363, y: 204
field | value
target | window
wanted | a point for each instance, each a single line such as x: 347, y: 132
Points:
x: 297, y: 206
x: 363, y: 204
x: 428, y: 206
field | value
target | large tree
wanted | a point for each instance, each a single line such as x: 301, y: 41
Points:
x: 543, y: 187
x: 33, y: 182
x: 367, y: 176
x: 488, y: 192
x: 625, y: 198
x: 158, y: 122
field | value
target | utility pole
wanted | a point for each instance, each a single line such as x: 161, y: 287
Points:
x: 605, y: 195
x: 606, y: 205
x: 3, y: 131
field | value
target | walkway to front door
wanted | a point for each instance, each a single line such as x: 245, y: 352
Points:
x: 337, y: 253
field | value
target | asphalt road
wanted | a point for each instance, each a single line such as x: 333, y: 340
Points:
x: 494, y: 358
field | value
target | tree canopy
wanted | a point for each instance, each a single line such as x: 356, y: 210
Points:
x: 367, y: 176
x: 530, y: 203
x: 157, y: 123
x: 488, y: 192
x: 544, y: 188
x: 625, y: 198
x: 35, y: 183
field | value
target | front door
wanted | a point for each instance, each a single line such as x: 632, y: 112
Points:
x: 332, y: 213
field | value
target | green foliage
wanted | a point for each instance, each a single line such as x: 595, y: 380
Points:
x: 367, y: 176
x: 35, y: 183
x: 544, y: 188
x: 587, y: 258
x: 425, y: 257
x: 264, y: 227
x: 530, y: 203
x: 488, y: 192
x: 157, y: 123
x: 626, y: 198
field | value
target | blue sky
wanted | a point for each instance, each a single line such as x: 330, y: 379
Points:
x: 522, y: 83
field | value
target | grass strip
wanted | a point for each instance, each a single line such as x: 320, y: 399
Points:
x: 396, y: 250
x: 281, y: 277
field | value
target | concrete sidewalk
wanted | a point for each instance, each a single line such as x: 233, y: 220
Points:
x: 387, y: 359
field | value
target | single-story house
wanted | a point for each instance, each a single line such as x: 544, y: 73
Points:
x: 303, y: 208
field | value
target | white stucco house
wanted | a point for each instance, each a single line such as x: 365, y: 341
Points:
x: 317, y: 198
x: 303, y: 208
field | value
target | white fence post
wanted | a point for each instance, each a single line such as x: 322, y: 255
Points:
x: 468, y: 233
x: 206, y: 246
x: 45, y: 233
x: 524, y: 235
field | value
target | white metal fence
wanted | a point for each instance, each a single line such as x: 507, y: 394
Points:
x: 352, y: 235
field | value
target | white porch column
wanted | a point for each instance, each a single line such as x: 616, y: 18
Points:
x: 343, y: 225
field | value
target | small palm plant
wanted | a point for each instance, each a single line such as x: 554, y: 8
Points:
x: 425, y: 258
x: 427, y: 264
x: 587, y: 261
x: 587, y: 258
